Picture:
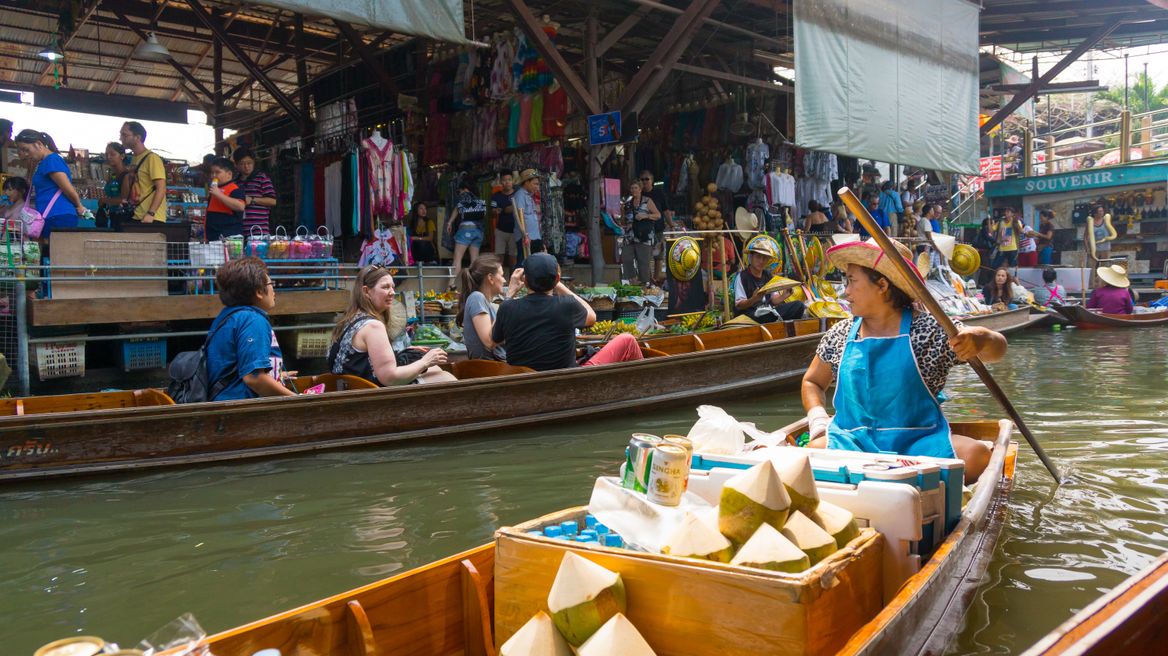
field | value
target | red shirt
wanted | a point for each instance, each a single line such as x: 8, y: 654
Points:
x: 215, y: 205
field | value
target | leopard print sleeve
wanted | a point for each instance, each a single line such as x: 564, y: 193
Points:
x: 831, y: 346
x: 931, y: 348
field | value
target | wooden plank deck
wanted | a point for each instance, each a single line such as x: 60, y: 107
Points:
x: 83, y: 311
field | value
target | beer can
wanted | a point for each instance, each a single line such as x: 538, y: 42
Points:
x: 668, y: 474
x: 687, y: 444
x: 638, y: 455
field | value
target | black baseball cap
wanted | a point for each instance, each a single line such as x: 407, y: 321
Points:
x: 541, y: 271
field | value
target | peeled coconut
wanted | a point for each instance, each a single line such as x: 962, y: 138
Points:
x: 837, y: 522
x: 768, y: 549
x: 694, y: 538
x: 538, y: 637
x: 806, y: 534
x: 617, y: 636
x: 795, y: 470
x: 750, y: 499
x: 583, y: 597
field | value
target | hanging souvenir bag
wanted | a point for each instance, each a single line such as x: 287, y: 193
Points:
x: 234, y: 246
x: 301, y: 245
x: 322, y: 244
x: 278, y: 244
x: 257, y: 243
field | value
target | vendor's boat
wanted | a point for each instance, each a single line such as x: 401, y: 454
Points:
x: 1003, y: 322
x: 79, y: 438
x: 1131, y: 619
x: 453, y: 606
x: 1050, y: 316
x: 1083, y: 318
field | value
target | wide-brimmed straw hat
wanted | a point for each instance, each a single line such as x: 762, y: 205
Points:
x: 745, y: 222
x: 1114, y: 275
x: 684, y: 258
x: 868, y: 254
x: 527, y: 175
x: 763, y: 245
x: 965, y: 260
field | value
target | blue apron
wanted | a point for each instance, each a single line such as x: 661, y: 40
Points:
x: 881, y: 401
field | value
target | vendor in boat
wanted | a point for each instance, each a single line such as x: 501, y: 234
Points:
x: 539, y: 330
x: 361, y: 345
x: 889, y: 364
x: 243, y: 357
x: 1113, y: 297
x: 751, y: 296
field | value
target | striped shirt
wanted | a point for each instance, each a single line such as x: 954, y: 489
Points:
x: 259, y: 185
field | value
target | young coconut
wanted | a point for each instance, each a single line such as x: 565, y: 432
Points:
x: 583, y: 597
x: 617, y: 636
x: 795, y: 470
x: 754, y: 497
x: 538, y: 637
x: 838, y: 522
x: 694, y: 538
x: 807, y: 535
x: 768, y: 549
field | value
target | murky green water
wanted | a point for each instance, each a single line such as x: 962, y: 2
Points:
x: 121, y: 556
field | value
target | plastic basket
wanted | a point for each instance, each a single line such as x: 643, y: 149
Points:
x: 60, y: 360
x: 313, y: 343
x: 142, y: 353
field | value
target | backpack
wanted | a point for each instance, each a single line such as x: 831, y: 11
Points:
x: 189, y: 380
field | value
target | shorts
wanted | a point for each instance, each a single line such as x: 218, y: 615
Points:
x: 469, y: 234
x: 1029, y: 259
x: 505, y: 243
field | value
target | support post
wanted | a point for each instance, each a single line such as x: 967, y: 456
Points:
x: 217, y: 84
x: 22, y: 353
x: 595, y: 234
x: 1027, y: 153
x: 1125, y: 135
x: 302, y: 77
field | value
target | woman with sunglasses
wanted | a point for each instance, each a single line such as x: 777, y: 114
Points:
x: 361, y: 345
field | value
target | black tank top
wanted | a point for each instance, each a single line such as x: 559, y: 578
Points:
x: 345, y: 359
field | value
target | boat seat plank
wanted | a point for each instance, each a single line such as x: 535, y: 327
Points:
x: 652, y: 353
x: 806, y: 327
x: 468, y: 369
x: 37, y: 405
x: 731, y: 337
x: 360, y: 633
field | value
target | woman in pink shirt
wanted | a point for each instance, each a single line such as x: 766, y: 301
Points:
x: 1113, y: 297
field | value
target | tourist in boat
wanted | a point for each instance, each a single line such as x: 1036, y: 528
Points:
x: 478, y: 285
x: 361, y: 345
x: 750, y: 296
x: 1049, y: 293
x: 1113, y: 297
x: 1000, y: 290
x: 889, y: 365
x: 539, y: 330
x: 243, y: 357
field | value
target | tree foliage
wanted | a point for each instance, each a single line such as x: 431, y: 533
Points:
x: 1157, y: 99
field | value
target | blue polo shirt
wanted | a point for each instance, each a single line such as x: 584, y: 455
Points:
x: 247, y: 342
x: 45, y: 188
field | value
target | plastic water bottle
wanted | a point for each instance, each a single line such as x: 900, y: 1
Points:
x: 553, y: 532
x: 613, y: 540
x: 589, y: 521
x: 601, y: 529
x: 569, y: 528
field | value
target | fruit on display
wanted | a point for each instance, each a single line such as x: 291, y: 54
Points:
x: 696, y: 538
x: 809, y: 537
x: 539, y: 637
x: 617, y: 636
x: 768, y: 549
x: 583, y: 597
x: 617, y: 327
x: 795, y: 470
x: 836, y: 522
x: 755, y: 497
x: 691, y: 323
x: 707, y: 215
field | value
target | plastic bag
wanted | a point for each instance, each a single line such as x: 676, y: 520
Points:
x: 716, y: 432
x: 183, y: 633
x: 647, y: 320
x: 643, y: 524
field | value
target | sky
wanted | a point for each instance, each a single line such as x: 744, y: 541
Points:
x: 1107, y: 65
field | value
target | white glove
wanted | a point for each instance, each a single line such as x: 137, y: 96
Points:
x: 817, y: 422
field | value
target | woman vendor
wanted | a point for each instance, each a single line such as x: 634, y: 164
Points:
x: 1113, y: 297
x: 889, y: 365
x: 361, y: 345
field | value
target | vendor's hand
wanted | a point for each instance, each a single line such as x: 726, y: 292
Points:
x: 966, y: 344
x: 434, y: 357
x: 817, y: 422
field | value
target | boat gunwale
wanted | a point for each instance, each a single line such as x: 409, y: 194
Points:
x: 1077, y: 314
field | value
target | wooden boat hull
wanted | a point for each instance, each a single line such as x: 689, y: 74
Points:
x: 1002, y: 322
x: 1131, y: 619
x: 1084, y: 318
x: 446, y: 607
x: 132, y: 438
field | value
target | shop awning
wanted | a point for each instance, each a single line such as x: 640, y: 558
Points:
x: 434, y: 19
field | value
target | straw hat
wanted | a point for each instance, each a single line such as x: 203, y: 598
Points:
x: 868, y: 254
x: 965, y: 260
x: 397, y: 318
x: 745, y: 222
x: 1114, y: 275
x: 778, y: 283
x: 827, y: 309
x: 684, y: 258
x: 923, y: 264
x: 1013, y: 139
x: 763, y: 245
x: 527, y: 175
x: 741, y: 320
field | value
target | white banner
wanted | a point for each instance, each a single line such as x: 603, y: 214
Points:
x: 435, y: 19
x: 889, y: 80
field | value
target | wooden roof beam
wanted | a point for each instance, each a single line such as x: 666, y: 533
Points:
x: 653, y: 4
x: 654, y: 71
x: 367, y: 55
x: 170, y: 59
x: 730, y: 77
x: 571, y: 82
x: 621, y: 29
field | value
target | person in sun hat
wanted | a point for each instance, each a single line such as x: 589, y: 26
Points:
x: 1113, y: 297
x: 527, y: 229
x: 889, y: 364
x: 756, y: 292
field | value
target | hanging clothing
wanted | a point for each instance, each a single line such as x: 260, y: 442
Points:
x: 332, y: 192
x: 757, y: 154
x: 729, y: 176
x: 307, y: 206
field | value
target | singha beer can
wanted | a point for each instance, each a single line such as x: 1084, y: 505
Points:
x: 668, y: 474
x: 687, y: 444
x: 638, y: 455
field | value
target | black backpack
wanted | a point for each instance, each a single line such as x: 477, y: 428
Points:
x: 189, y: 380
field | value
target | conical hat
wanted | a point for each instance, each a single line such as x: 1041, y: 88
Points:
x: 827, y: 309
x: 965, y: 260
x: 923, y: 264
x: 778, y: 283
x: 684, y: 258
x: 944, y: 243
x: 741, y: 320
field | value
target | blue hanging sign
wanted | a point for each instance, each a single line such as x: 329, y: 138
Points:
x: 604, y: 128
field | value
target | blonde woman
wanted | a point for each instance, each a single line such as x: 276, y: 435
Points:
x: 361, y: 345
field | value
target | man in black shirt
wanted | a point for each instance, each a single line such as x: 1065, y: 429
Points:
x: 505, y: 225
x: 539, y: 330
x: 661, y: 200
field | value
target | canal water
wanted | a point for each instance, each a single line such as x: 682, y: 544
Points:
x: 121, y: 556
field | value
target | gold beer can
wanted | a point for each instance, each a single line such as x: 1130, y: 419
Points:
x: 668, y: 474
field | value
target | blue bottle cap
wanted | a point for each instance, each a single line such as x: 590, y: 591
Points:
x: 613, y: 540
x: 569, y: 528
x: 553, y: 531
x: 585, y: 538
x: 589, y: 521
x: 589, y: 534
x: 601, y: 529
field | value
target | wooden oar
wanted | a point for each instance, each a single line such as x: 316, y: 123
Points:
x: 926, y: 299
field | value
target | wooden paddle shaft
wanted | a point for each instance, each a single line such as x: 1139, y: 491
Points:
x: 922, y: 294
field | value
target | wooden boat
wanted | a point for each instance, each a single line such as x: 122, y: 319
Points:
x: 1050, y: 316
x: 36, y: 405
x: 1131, y: 619
x: 1003, y: 322
x: 1081, y: 317
x: 487, y: 396
x: 447, y: 607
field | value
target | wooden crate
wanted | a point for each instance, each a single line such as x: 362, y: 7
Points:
x: 686, y: 607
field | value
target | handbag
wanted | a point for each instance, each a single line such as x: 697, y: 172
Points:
x: 34, y: 222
